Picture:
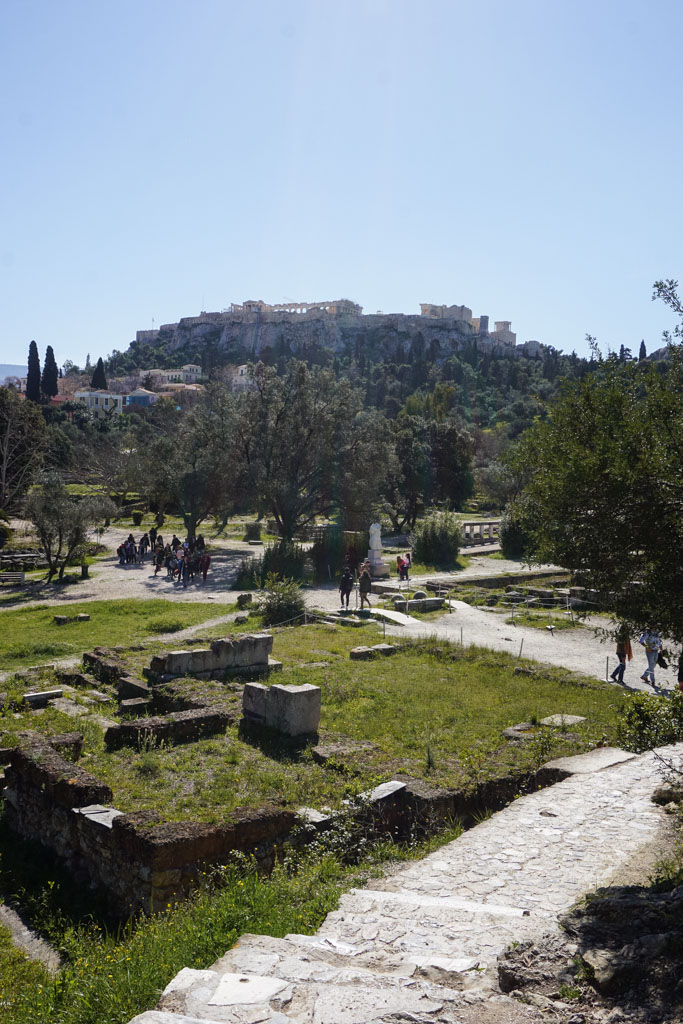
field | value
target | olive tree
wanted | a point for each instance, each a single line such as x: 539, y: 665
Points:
x: 63, y: 520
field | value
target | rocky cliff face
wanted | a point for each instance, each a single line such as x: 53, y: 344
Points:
x: 379, y: 336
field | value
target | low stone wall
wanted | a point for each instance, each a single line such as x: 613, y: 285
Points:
x: 140, y: 861
x: 231, y: 656
x: 177, y: 726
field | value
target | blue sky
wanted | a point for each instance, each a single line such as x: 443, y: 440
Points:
x: 163, y: 157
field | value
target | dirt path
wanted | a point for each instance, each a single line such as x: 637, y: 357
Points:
x: 580, y: 650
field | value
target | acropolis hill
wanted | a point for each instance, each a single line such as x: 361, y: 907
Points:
x: 296, y: 328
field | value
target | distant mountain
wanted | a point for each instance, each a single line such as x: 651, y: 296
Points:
x: 12, y: 370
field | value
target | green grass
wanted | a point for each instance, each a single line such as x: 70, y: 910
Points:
x: 540, y: 620
x: 29, y: 635
x: 431, y: 711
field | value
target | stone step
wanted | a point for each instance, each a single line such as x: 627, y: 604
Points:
x: 164, y: 1017
x: 326, y: 995
x: 457, y: 935
x: 450, y: 905
x: 301, y: 956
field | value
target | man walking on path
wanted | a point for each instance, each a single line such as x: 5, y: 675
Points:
x: 346, y: 586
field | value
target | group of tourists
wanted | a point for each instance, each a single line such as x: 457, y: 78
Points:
x: 182, y: 560
x: 651, y: 640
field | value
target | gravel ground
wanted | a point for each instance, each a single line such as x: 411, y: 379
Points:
x: 580, y: 650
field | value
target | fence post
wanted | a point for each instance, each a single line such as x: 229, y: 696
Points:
x: 607, y: 669
x: 520, y: 648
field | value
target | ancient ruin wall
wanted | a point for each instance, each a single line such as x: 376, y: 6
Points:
x: 140, y: 861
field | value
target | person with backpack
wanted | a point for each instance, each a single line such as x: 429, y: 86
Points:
x: 652, y: 642
x: 345, y: 586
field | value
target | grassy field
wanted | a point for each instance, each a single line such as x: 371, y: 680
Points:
x: 29, y: 636
x: 432, y: 711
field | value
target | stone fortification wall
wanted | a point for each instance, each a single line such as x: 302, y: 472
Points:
x: 140, y: 861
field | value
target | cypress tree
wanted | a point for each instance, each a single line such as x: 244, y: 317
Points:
x: 48, y: 384
x: 33, y: 377
x: 643, y: 352
x: 99, y: 380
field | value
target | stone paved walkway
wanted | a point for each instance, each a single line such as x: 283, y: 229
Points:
x: 420, y: 946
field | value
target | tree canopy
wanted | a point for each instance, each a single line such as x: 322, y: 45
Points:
x: 603, y: 495
x: 22, y: 445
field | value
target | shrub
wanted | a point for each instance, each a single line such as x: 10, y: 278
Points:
x: 514, y: 541
x: 285, y: 559
x: 282, y: 600
x: 137, y: 518
x: 160, y: 519
x: 437, y: 540
x: 650, y: 721
x: 252, y: 531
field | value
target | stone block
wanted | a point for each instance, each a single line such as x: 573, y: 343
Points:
x: 98, y: 815
x: 178, y: 662
x: 202, y: 660
x: 223, y: 653
x: 40, y: 700
x: 362, y: 653
x: 136, y: 706
x: 254, y: 699
x: 60, y: 620
x: 254, y: 649
x: 103, y: 667
x: 293, y: 710
x: 157, y: 665
x: 385, y: 649
x: 241, y: 619
x: 128, y: 688
x: 244, y: 600
x: 67, y: 678
x: 562, y: 721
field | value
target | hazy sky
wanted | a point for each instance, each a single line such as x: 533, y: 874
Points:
x: 163, y: 157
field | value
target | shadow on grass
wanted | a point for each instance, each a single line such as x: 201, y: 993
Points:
x: 38, y: 887
x: 272, y: 744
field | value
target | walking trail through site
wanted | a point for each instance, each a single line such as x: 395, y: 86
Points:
x: 421, y: 945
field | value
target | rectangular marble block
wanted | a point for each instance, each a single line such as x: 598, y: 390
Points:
x: 293, y: 710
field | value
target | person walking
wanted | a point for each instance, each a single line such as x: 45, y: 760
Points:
x: 345, y: 587
x: 652, y: 642
x: 364, y: 588
x: 623, y: 652
x: 204, y: 563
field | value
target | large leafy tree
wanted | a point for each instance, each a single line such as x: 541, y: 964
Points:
x: 604, y: 495
x: 23, y: 438
x: 48, y: 383
x: 293, y: 434
x: 432, y: 463
x: 186, y: 461
x: 33, y: 376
